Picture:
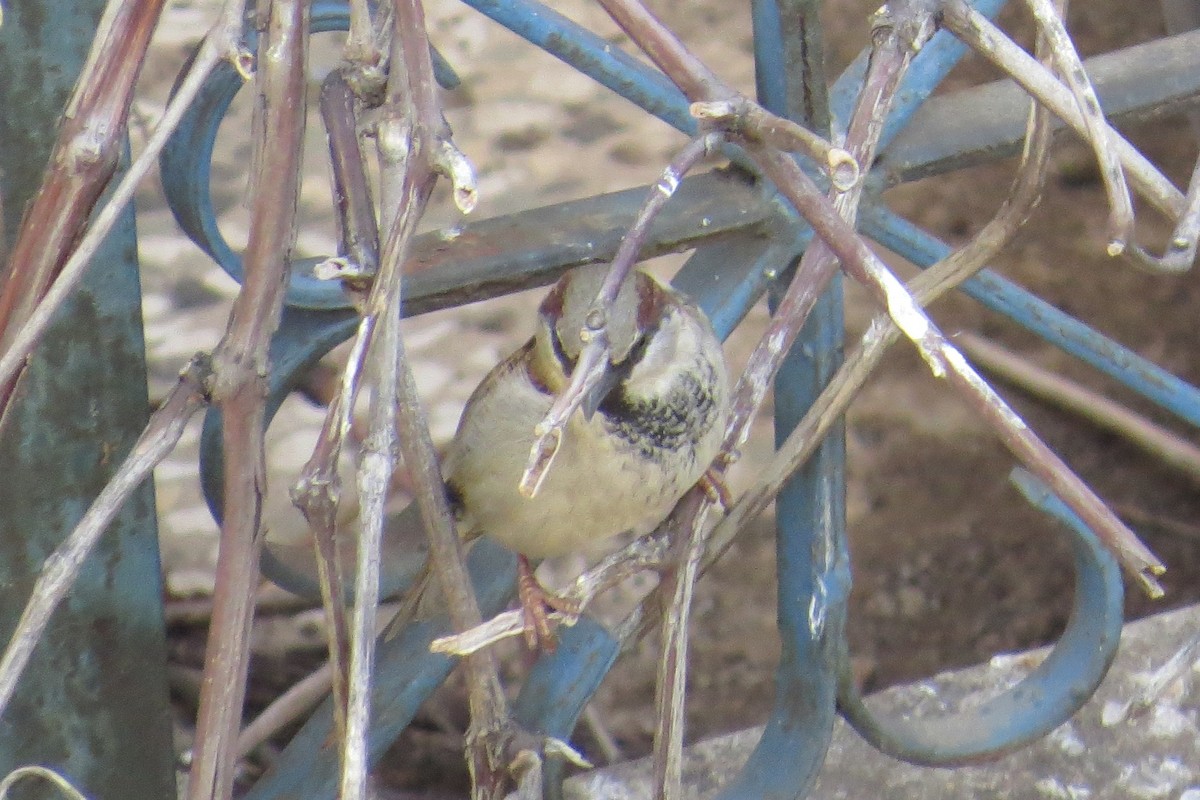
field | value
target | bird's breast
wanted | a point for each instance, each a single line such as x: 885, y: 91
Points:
x: 622, y: 470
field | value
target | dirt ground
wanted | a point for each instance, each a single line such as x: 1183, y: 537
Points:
x: 950, y: 565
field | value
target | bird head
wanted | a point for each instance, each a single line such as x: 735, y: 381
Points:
x: 568, y: 320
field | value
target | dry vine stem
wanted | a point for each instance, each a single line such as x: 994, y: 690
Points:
x: 978, y: 32
x: 62, y: 567
x: 814, y: 272
x: 46, y: 265
x: 317, y: 492
x: 1070, y: 69
x: 882, y: 333
x: 239, y: 389
x: 82, y: 162
x: 414, y: 146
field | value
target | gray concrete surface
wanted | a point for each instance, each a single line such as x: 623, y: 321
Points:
x: 1138, y: 737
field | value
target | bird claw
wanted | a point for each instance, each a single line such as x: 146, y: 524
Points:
x: 712, y: 483
x: 536, y: 605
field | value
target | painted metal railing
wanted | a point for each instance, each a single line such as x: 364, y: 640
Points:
x: 743, y: 239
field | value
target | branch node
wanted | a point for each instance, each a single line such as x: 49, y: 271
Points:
x: 454, y: 164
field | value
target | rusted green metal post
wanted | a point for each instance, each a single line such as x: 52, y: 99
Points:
x: 93, y: 703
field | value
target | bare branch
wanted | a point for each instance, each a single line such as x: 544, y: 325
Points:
x: 61, y: 569
x: 755, y: 122
x: 286, y: 709
x: 663, y: 47
x: 1181, y: 248
x: 990, y: 42
x: 926, y: 287
x: 83, y: 161
x: 1070, y: 68
x: 221, y: 43
x: 647, y: 552
x: 241, y: 367
x: 317, y: 492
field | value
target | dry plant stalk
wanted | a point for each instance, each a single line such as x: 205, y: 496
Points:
x: 927, y: 287
x: 62, y: 567
x: 83, y: 161
x: 47, y: 263
x: 240, y: 389
x: 52, y: 251
x: 414, y: 147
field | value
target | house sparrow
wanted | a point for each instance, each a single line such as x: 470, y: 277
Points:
x: 644, y: 434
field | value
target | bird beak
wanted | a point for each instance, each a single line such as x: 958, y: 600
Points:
x: 591, y: 381
x: 598, y: 389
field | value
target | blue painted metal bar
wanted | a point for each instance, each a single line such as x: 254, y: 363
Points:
x: 593, y: 56
x: 405, y: 674
x: 814, y: 578
x: 186, y: 165
x: 1045, y: 698
x: 93, y: 702
x: 925, y: 74
x: 1035, y: 314
x: 811, y: 557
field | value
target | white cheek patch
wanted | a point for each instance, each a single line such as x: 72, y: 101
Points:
x: 674, y: 344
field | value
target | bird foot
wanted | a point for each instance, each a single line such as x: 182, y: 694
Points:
x: 536, y: 605
x: 712, y: 483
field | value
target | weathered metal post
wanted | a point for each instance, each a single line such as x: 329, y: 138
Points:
x: 93, y: 703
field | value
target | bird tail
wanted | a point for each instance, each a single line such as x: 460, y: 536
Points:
x: 415, y: 603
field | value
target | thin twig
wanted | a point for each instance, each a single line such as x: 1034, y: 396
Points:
x: 221, y: 43
x: 1181, y: 247
x: 62, y: 567
x: 317, y: 492
x: 1070, y: 68
x: 978, y: 32
x: 358, y: 231
x: 413, y: 143
x: 1067, y: 394
x: 755, y: 122
x: 286, y: 709
x: 646, y: 552
x: 931, y: 284
x: 82, y: 163
x: 945, y: 361
x: 664, y: 48
x: 239, y: 388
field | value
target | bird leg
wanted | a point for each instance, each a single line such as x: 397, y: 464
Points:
x: 536, y: 605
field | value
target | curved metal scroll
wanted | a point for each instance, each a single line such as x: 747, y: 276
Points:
x: 1045, y: 698
x: 187, y: 159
